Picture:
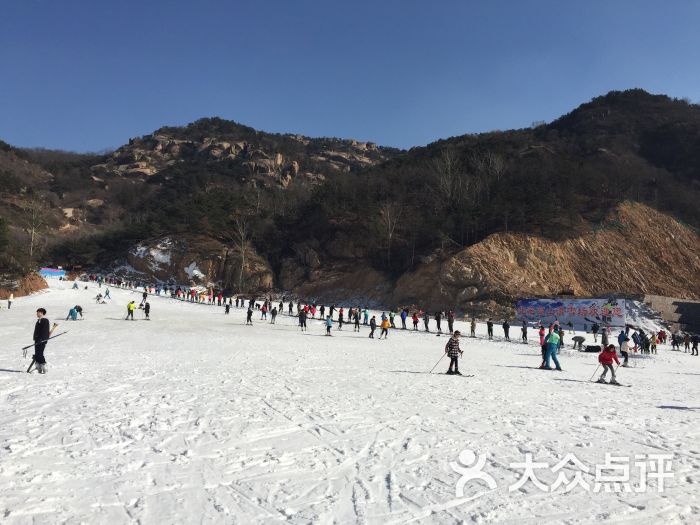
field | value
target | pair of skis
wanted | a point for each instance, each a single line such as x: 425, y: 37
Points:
x: 25, y: 348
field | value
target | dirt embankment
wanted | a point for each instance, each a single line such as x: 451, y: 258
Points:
x: 636, y: 251
x: 23, y: 286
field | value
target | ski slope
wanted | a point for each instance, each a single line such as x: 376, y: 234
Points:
x: 193, y: 417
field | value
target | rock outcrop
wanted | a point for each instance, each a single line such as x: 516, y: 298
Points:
x: 637, y: 249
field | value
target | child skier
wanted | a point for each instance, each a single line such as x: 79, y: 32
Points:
x: 372, y: 327
x: 606, y: 358
x: 147, y: 310
x: 249, y: 315
x: 329, y: 324
x: 453, y: 352
x: 386, y: 324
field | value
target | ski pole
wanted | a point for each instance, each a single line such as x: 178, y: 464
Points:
x: 594, y: 373
x: 431, y: 370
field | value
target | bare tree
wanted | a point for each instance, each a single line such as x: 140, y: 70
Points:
x: 241, y: 237
x: 35, y: 220
x: 389, y: 217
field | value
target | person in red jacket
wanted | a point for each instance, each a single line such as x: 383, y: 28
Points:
x: 606, y: 358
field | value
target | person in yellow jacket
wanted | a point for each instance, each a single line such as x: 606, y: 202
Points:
x: 386, y: 324
x: 130, y: 310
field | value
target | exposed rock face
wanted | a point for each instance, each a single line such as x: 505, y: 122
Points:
x: 312, y: 159
x: 199, y: 261
x: 640, y: 249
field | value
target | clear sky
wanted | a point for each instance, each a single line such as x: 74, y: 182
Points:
x: 86, y: 75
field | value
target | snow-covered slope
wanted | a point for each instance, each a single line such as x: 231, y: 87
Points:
x: 194, y: 417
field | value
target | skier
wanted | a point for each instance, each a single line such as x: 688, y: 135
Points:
x: 686, y: 342
x: 595, y: 329
x: 263, y: 312
x: 624, y: 350
x: 438, y: 320
x: 506, y: 329
x: 489, y: 328
x: 386, y: 324
x: 453, y: 352
x: 130, y: 310
x: 695, y: 340
x: 451, y: 321
x: 404, y: 315
x: 392, y: 314
x: 249, y: 315
x: 107, y: 293
x: 426, y: 321
x: 273, y: 315
x: 42, y: 331
x: 604, y: 336
x: 290, y: 308
x: 372, y: 327
x: 606, y: 358
x: 365, y: 315
x: 415, y: 321
x: 9, y: 300
x: 147, y: 310
x: 227, y: 308
x: 356, y: 318
x: 524, y: 332
x: 552, y: 344
x: 72, y: 314
x: 323, y: 312
x: 472, y: 326
x: 341, y: 314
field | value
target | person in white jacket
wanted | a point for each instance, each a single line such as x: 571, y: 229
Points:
x: 9, y: 300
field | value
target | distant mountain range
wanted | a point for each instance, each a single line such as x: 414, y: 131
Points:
x: 448, y: 224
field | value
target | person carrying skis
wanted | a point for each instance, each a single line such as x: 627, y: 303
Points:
x: 42, y: 332
x: 606, y: 358
x: 130, y: 310
x: 329, y: 324
x: 506, y: 329
x: 489, y: 328
x: 372, y: 326
x: 386, y: 324
x: 453, y: 352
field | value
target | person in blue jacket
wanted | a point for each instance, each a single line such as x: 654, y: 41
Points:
x: 329, y: 324
x: 404, y: 315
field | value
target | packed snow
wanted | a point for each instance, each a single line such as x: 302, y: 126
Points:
x: 193, y: 417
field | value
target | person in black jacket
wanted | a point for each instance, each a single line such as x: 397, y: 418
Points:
x: 506, y: 330
x: 489, y: 328
x: 42, y: 331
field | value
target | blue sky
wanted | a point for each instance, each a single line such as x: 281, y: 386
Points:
x: 88, y: 75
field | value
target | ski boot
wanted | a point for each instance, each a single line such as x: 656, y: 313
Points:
x: 613, y: 381
x: 601, y: 380
x: 450, y: 373
x: 458, y: 373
